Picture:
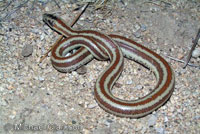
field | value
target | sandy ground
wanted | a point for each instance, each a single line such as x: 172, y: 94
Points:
x: 35, y: 98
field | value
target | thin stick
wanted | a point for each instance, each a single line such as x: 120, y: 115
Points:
x: 195, y: 42
x: 13, y: 11
x: 153, y: 3
x: 56, y: 3
x: 61, y: 37
x: 181, y: 61
x: 7, y: 5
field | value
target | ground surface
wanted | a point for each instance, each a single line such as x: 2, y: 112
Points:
x: 44, y: 100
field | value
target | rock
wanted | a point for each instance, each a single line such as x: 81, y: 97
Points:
x: 27, y: 50
x: 196, y: 53
x: 152, y: 121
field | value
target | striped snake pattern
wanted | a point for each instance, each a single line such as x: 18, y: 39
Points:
x: 93, y: 44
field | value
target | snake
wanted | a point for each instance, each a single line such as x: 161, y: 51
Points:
x: 90, y: 44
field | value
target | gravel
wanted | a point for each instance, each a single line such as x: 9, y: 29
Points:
x: 43, y: 100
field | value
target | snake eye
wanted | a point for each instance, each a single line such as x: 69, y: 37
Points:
x: 49, y: 19
x: 50, y: 16
x: 50, y: 22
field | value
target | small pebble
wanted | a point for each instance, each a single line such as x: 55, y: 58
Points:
x: 3, y: 102
x: 143, y: 27
x: 2, y: 89
x: 152, y: 121
x: 91, y: 106
x: 40, y: 78
x: 73, y: 122
x: 137, y: 34
x: 27, y: 50
x: 129, y: 82
x: 81, y: 81
x: 108, y: 122
x: 139, y: 87
x: 42, y: 36
x: 196, y: 53
x: 82, y: 70
x: 1, y: 38
x: 74, y: 73
x: 138, y: 127
x: 166, y: 119
x: 160, y: 130
x: 118, y: 85
x: 85, y: 131
x: 137, y: 27
x: 1, y: 75
x: 180, y: 55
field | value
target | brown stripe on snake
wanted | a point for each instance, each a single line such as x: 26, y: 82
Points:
x: 109, y: 71
x: 130, y: 113
x: 160, y: 80
x: 142, y: 102
x: 81, y: 41
x: 112, y: 48
x: 68, y: 64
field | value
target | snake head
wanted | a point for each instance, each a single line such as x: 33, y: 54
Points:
x: 49, y: 19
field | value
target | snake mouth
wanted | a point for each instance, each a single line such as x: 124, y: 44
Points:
x: 49, y: 19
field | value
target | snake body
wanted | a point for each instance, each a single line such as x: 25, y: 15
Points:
x: 93, y: 44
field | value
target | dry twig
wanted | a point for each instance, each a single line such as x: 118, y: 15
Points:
x: 192, y: 49
x: 56, y: 3
x: 7, y: 6
x: 181, y: 61
x: 100, y: 4
x: 13, y: 11
x: 149, y: 2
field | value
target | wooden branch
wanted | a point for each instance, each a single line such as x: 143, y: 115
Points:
x: 195, y: 42
x: 181, y: 61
